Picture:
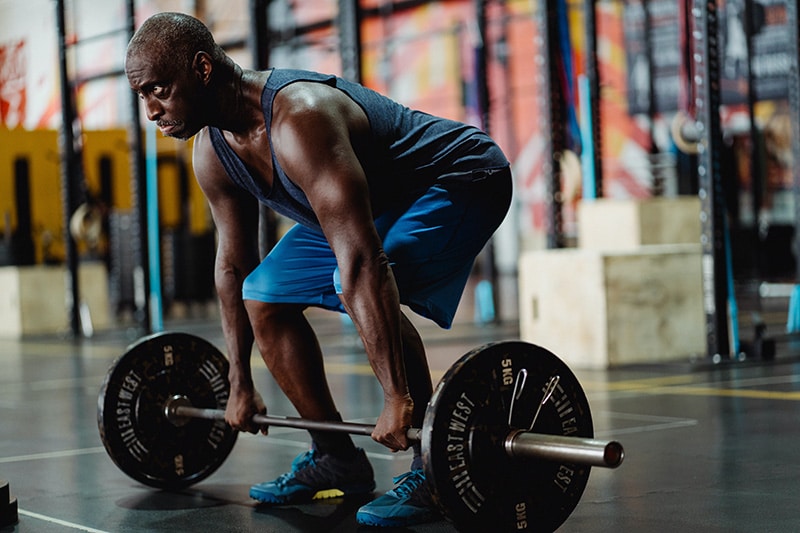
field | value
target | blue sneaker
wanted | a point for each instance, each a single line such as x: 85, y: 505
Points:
x: 408, y: 504
x: 316, y: 476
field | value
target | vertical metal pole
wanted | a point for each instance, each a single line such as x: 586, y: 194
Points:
x: 592, y: 73
x: 553, y: 122
x: 259, y: 49
x: 141, y: 282
x: 68, y: 174
x: 504, y: 56
x: 22, y: 250
x: 706, y: 80
x: 259, y: 33
x: 756, y: 176
x: 486, y: 295
x: 652, y: 106
x: 481, y: 65
x: 792, y: 12
x: 687, y: 178
x: 755, y: 170
x: 349, y: 20
x: 153, y: 234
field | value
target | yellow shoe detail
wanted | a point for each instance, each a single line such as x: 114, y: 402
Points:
x: 330, y: 493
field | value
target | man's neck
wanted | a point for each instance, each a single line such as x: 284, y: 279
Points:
x: 239, y: 106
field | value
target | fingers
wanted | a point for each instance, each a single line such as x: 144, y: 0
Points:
x: 264, y: 429
x: 392, y: 427
x: 247, y: 425
x: 240, y: 411
x: 253, y: 428
x: 396, y: 442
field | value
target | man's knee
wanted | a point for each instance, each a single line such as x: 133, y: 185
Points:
x: 259, y: 283
x: 261, y: 313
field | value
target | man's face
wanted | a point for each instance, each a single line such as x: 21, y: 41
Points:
x: 172, y: 96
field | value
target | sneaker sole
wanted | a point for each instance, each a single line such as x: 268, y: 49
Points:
x: 325, y: 494
x: 366, y: 519
x: 369, y: 520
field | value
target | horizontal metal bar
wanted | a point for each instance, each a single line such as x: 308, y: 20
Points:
x: 517, y: 443
x: 776, y: 290
x: 114, y: 73
x: 285, y: 421
x: 302, y: 423
x: 578, y: 450
x: 99, y: 36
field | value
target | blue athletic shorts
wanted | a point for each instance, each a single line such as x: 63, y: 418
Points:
x: 431, y: 244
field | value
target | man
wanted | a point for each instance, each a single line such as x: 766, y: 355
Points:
x: 392, y: 206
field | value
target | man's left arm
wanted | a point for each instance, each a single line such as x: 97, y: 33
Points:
x: 312, y: 135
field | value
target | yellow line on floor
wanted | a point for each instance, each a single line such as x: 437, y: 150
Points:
x: 729, y: 393
x: 679, y: 385
x: 646, y: 383
x: 359, y: 369
x: 363, y: 369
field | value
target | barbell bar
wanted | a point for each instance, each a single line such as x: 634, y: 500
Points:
x: 507, y: 439
x: 517, y: 443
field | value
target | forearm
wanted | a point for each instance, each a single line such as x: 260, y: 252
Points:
x: 370, y: 295
x: 235, y: 325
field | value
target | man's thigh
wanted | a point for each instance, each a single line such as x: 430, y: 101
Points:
x: 433, y: 244
x: 299, y: 269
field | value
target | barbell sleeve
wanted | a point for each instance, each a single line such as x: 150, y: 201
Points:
x: 518, y: 443
x: 580, y: 450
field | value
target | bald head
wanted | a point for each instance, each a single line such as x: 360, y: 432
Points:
x: 184, y: 78
x: 173, y: 39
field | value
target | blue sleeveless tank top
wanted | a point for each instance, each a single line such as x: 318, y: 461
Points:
x: 407, y: 152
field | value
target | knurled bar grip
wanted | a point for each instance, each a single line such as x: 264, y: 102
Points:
x: 178, y: 411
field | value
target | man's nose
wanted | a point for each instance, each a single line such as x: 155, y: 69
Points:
x: 152, y: 108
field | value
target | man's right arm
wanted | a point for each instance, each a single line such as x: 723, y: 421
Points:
x: 235, y: 215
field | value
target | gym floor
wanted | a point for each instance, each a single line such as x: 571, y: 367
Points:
x: 708, y: 448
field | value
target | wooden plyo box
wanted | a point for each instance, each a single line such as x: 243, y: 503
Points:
x: 612, y: 224
x: 32, y: 298
x: 598, y: 309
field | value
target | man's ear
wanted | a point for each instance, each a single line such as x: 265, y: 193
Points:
x: 202, y: 67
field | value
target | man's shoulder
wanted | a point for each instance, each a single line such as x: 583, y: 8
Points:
x: 202, y: 146
x: 205, y: 162
x: 290, y: 74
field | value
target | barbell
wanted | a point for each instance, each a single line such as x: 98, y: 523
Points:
x: 507, y: 439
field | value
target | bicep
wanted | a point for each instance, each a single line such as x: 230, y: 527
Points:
x: 314, y: 148
x: 339, y: 195
x: 235, y: 212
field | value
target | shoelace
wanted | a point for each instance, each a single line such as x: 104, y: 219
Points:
x: 306, y: 461
x: 407, y: 483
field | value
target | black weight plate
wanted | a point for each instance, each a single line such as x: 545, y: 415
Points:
x: 130, y: 410
x: 473, y: 480
x: 9, y: 513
